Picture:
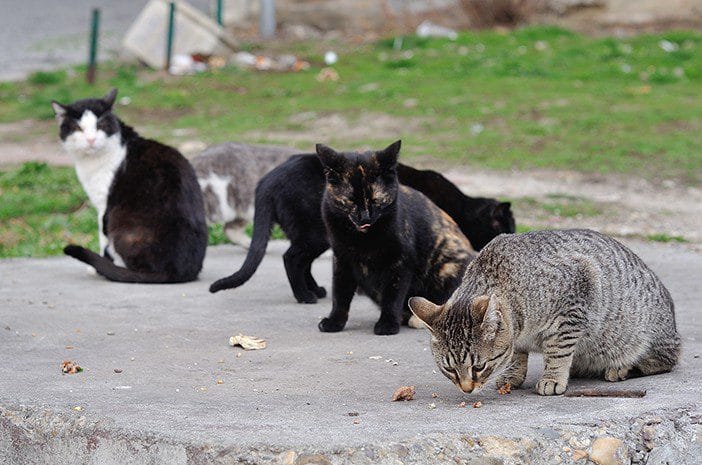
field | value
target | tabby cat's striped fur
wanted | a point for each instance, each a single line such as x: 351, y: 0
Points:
x: 583, y: 299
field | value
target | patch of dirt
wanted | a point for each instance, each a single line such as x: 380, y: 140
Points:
x: 31, y: 140
x: 312, y: 127
x: 629, y: 206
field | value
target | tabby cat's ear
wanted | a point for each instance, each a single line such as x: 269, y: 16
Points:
x: 330, y: 158
x: 492, y: 319
x: 426, y: 311
x: 59, y: 110
x: 388, y: 156
x: 110, y: 97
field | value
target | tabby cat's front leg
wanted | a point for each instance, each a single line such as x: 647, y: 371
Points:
x: 515, y: 374
x: 558, y: 357
x: 343, y: 288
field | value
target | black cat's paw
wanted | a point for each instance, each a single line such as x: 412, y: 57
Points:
x: 320, y: 292
x: 330, y: 326
x: 384, y: 328
x: 306, y: 298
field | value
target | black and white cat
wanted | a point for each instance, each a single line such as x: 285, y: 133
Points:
x: 151, y: 217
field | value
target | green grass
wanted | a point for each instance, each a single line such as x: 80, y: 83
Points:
x: 662, y: 237
x: 537, y: 97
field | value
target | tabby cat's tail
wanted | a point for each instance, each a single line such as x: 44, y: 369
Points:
x: 263, y: 222
x: 109, y: 270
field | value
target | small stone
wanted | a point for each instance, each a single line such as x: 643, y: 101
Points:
x: 432, y: 405
x: 110, y: 333
x: 609, y: 451
x: 313, y: 459
x: 289, y: 458
x: 77, y: 408
x: 353, y: 414
x: 118, y: 370
x: 219, y: 381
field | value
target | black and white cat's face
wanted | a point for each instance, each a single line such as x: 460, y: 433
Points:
x: 362, y: 187
x: 88, y: 127
x: 470, y: 345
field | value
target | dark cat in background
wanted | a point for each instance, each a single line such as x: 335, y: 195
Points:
x: 151, y: 218
x: 291, y: 195
x: 388, y: 240
x: 480, y: 218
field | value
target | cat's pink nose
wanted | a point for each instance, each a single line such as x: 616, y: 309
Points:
x: 90, y: 140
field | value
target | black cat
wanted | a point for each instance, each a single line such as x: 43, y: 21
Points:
x: 480, y: 218
x: 389, y: 240
x: 291, y: 194
x: 151, y: 214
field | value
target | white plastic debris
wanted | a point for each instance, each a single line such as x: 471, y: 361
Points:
x: 330, y: 58
x: 429, y: 29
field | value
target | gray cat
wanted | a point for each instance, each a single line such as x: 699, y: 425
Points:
x: 583, y: 299
x: 228, y: 174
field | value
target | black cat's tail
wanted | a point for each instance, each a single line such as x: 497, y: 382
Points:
x: 109, y: 270
x: 263, y: 222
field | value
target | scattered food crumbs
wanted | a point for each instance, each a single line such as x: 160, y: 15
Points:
x: 118, y: 370
x: 505, y: 389
x: 238, y: 354
x: 432, y: 405
x: 110, y: 333
x: 34, y: 334
x: 247, y: 342
x: 403, y: 393
x: 219, y: 381
x: 355, y: 422
x: 77, y: 408
x: 350, y: 352
x: 70, y: 347
x: 477, y: 404
x: 372, y: 357
x: 132, y: 359
x: 434, y: 395
x: 353, y: 414
x: 462, y: 404
x: 69, y: 367
x: 203, y: 389
x: 221, y: 360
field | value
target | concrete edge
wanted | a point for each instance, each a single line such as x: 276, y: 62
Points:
x: 30, y: 435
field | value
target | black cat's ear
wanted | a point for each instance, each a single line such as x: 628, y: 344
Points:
x: 330, y: 158
x: 501, y: 209
x: 110, y: 97
x: 389, y: 155
x: 59, y: 110
x: 429, y: 313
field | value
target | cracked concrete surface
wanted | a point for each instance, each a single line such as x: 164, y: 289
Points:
x: 184, y: 396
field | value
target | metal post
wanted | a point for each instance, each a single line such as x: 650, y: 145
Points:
x: 219, y: 12
x: 267, y: 24
x: 92, y: 62
x: 169, y: 32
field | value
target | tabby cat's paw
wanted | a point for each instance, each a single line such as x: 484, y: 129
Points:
x: 513, y: 381
x: 616, y: 374
x: 550, y: 387
x: 330, y: 326
x: 383, y: 328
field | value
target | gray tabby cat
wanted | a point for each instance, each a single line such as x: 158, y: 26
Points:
x: 228, y: 174
x: 583, y: 299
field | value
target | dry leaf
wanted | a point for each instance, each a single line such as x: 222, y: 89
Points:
x: 505, y: 389
x: 69, y: 367
x: 247, y: 342
x: 403, y: 393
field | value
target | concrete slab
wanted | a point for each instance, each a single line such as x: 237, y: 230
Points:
x: 309, y: 397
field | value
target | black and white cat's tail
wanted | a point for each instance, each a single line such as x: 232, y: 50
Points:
x: 263, y: 222
x: 109, y: 270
